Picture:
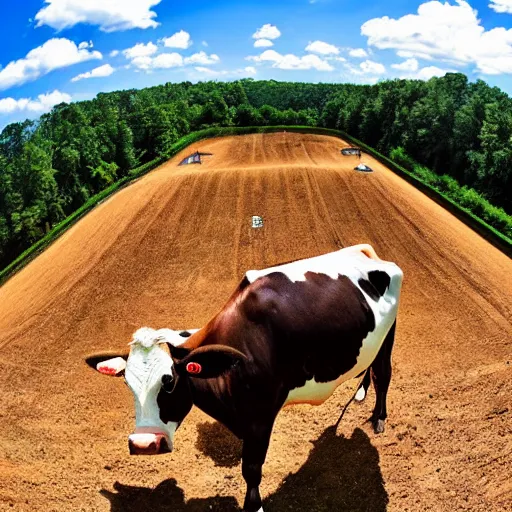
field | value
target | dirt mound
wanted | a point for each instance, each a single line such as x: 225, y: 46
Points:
x: 167, y: 252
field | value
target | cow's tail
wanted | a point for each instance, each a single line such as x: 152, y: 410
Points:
x: 351, y: 400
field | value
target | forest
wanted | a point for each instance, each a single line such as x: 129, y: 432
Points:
x: 449, y: 127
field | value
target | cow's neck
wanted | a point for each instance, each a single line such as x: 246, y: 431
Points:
x: 212, y: 397
x: 227, y: 398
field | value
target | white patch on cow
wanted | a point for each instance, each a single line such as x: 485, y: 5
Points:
x: 333, y: 264
x: 147, y: 337
x: 360, y: 395
x: 313, y: 392
x: 147, y: 363
x: 353, y: 263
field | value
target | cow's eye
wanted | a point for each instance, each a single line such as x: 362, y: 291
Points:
x: 168, y: 383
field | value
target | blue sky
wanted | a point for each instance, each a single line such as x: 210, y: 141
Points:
x: 68, y: 50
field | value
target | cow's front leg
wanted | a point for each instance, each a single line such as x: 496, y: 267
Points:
x: 253, y: 456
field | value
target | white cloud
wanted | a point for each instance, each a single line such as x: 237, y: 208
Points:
x: 339, y: 59
x: 54, y: 54
x: 179, y: 40
x: 407, y: 65
x: 162, y: 61
x: 267, y: 31
x: 114, y: 53
x: 358, y: 53
x: 101, y: 71
x: 167, y: 60
x: 142, y: 62
x: 267, y: 55
x: 322, y: 48
x: 365, y: 69
x: 85, y: 44
x: 202, y: 58
x: 248, y: 71
x: 205, y: 44
x: 501, y: 6
x: 262, y: 43
x: 372, y: 68
x: 43, y: 103
x: 428, y: 73
x: 207, y: 71
x: 109, y: 15
x: 356, y: 75
x: 142, y: 57
x: 291, y: 61
x: 498, y: 65
x: 140, y: 50
x: 441, y: 31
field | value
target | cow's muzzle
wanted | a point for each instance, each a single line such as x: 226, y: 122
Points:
x: 149, y: 443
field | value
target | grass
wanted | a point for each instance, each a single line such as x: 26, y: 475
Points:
x: 488, y: 220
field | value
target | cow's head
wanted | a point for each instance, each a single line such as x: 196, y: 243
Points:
x: 159, y: 372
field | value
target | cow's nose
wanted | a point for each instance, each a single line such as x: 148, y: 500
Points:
x: 148, y: 444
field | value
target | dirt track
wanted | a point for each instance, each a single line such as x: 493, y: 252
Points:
x: 167, y: 252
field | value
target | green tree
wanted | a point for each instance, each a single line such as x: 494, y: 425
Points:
x: 215, y: 111
x: 246, y: 115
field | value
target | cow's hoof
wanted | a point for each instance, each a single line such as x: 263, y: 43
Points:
x: 378, y: 426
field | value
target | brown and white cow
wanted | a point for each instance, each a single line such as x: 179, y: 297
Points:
x: 289, y: 334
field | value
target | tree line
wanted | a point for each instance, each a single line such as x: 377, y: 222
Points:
x: 50, y: 167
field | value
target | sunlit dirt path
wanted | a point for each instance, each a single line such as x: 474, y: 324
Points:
x: 167, y: 252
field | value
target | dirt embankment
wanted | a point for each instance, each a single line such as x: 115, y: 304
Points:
x: 168, y: 251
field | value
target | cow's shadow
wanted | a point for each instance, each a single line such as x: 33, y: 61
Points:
x: 216, y: 442
x: 340, y: 474
x: 167, y: 496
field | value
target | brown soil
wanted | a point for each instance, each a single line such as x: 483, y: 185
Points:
x: 167, y: 252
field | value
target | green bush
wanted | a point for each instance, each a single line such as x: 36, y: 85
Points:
x: 448, y: 185
x: 467, y: 198
x: 399, y: 156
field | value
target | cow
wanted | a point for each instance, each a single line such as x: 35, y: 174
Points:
x: 289, y: 334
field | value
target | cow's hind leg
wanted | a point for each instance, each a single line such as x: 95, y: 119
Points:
x: 381, y: 376
x: 363, y: 388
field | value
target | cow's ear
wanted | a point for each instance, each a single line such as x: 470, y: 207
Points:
x: 210, y: 361
x: 108, y: 365
x: 177, y: 352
